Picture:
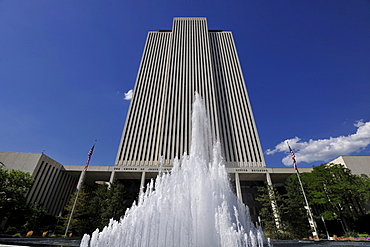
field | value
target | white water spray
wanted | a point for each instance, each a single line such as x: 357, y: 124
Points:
x: 192, y: 206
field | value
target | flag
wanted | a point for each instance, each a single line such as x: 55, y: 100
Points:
x: 293, y: 158
x: 89, y: 157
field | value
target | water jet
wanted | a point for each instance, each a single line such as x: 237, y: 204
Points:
x: 193, y: 205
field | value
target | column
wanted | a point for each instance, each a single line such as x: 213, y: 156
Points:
x: 142, y: 182
x: 238, y: 188
x: 273, y: 201
x: 111, y: 179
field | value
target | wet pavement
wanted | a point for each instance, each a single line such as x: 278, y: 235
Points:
x: 322, y: 243
x: 41, y: 242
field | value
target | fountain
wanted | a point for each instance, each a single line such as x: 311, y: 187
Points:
x: 193, y: 205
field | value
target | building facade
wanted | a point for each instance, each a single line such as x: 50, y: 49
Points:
x: 357, y: 164
x: 175, y: 64
x: 52, y: 185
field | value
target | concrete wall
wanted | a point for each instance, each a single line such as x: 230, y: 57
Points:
x: 357, y: 164
x: 52, y: 185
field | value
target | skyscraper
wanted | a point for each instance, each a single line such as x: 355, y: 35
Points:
x: 175, y: 64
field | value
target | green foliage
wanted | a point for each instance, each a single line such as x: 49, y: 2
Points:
x: 105, y: 205
x: 266, y: 212
x: 333, y: 192
x: 273, y: 208
x: 363, y: 186
x: 289, y: 218
x: 14, y: 209
x: 363, y: 235
x: 296, y: 212
x: 336, y: 194
x: 11, y: 230
x: 17, y: 235
x: 76, y: 225
x: 351, y: 234
x: 14, y: 185
x: 90, y: 213
x: 33, y: 217
x: 95, y: 211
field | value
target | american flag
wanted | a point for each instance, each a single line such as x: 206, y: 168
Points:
x: 89, y: 157
x: 293, y: 157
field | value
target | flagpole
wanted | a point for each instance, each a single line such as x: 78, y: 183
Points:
x: 311, y: 221
x: 79, y: 185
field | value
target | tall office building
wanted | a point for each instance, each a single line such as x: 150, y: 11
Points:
x: 175, y: 64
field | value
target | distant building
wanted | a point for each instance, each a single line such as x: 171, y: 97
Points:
x: 52, y: 185
x: 357, y: 164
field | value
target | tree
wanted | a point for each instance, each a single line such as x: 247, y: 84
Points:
x: 296, y: 211
x: 363, y: 186
x: 14, y: 185
x: 337, y: 194
x: 34, y: 216
x: 96, y: 208
x: 106, y: 204
x: 78, y: 222
x: 272, y: 212
x: 118, y: 198
x: 333, y: 193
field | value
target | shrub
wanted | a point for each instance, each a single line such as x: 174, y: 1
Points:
x: 364, y: 235
x: 11, y: 230
x: 17, y: 235
x: 351, y: 234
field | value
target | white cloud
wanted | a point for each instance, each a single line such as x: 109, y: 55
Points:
x: 359, y: 123
x: 128, y: 95
x: 325, y: 149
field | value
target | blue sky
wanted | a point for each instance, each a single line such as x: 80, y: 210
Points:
x: 65, y: 66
